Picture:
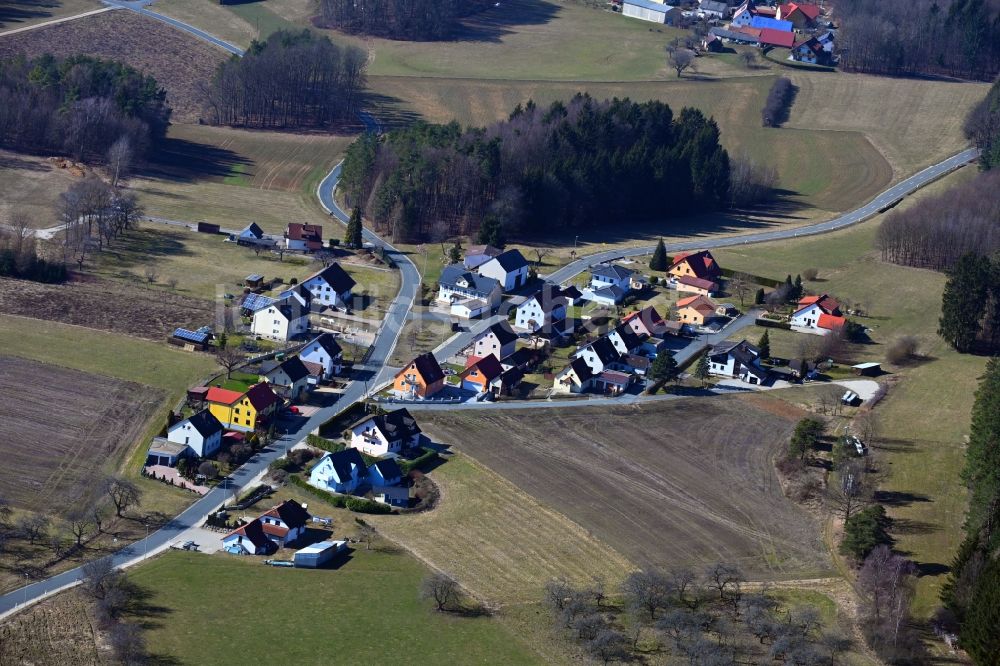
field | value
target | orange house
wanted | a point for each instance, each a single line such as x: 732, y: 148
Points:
x: 421, y: 378
x: 695, y: 310
x: 695, y: 265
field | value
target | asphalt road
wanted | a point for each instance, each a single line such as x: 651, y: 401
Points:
x: 140, y: 8
x: 886, y: 199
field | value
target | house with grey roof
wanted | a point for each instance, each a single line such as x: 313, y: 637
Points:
x: 383, y: 434
x: 510, y: 269
x: 459, y: 286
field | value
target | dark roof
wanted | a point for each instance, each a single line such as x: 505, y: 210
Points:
x: 635, y: 361
x: 342, y: 462
x: 292, y: 307
x: 388, y: 468
x: 700, y: 283
x: 483, y: 250
x: 328, y: 343
x: 503, y: 332
x: 614, y: 292
x: 702, y: 263
x: 205, y: 423
x: 713, y: 6
x: 548, y: 296
x: 261, y: 396
x: 252, y: 230
x: 397, y: 424
x: 336, y: 277
x: 511, y: 260
x: 628, y: 336
x: 581, y: 369
x: 479, y: 285
x: 253, y: 302
x: 613, y: 271
x: 572, y: 292
x: 489, y: 366
x: 291, y: 514
x: 741, y: 350
x: 604, y: 349
x: 253, y: 532
x: 427, y: 366
x: 293, y: 367
x: 512, y: 376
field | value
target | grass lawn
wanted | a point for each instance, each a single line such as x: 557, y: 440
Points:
x: 31, y: 185
x: 365, y: 610
x: 925, y: 416
x: 239, y: 381
x: 419, y: 335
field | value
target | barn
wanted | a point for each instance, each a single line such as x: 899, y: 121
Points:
x: 647, y: 10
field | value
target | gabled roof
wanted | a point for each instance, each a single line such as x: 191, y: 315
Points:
x: 512, y: 376
x: 328, y: 343
x: 502, y: 331
x: 344, y: 461
x: 831, y: 322
x: 204, y: 422
x: 291, y: 366
x: 395, y: 425
x: 774, y: 37
x: 580, y: 369
x: 252, y: 532
x: 261, y: 396
x: 649, y: 317
x: 612, y: 271
x: 291, y: 305
x: 702, y: 263
x: 291, y: 514
x: 809, y: 11
x: 510, y: 261
x: 825, y: 303
x: 488, y: 366
x: 604, y: 349
x: 335, y: 276
x: 427, y: 366
x: 765, y: 23
x: 699, y: 302
x: 304, y: 232
x: 315, y: 369
x: 635, y: 361
x: 548, y: 297
x: 252, y: 230
x: 741, y: 350
x: 483, y: 250
x: 254, y: 302
x: 699, y: 283
x: 613, y: 292
x: 479, y: 285
x: 222, y: 396
x: 628, y: 336
x: 614, y: 377
x: 388, y: 468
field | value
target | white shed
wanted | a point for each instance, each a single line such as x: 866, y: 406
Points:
x: 647, y: 10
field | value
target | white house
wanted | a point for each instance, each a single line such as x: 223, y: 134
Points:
x: 499, y: 340
x: 458, y: 286
x: 611, y: 275
x: 542, y: 310
x: 510, y: 269
x: 609, y: 296
x: 304, y: 237
x: 340, y: 472
x: 382, y: 434
x: 248, y: 539
x: 819, y: 315
x: 285, y: 319
x: 201, y: 432
x: 331, y: 287
x: 598, y: 355
x: 576, y: 377
x: 324, y: 350
x: 288, y: 378
x: 625, y: 339
x: 285, y: 523
x: 740, y: 360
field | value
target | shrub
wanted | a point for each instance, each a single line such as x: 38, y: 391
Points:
x: 810, y: 274
x: 361, y: 505
x: 902, y: 349
x: 779, y: 100
x: 406, y: 466
x: 281, y: 464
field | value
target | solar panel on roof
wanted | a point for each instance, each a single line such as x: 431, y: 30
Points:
x: 254, y: 277
x: 254, y: 302
x: 190, y: 336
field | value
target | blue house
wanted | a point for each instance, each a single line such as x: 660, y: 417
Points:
x: 384, y: 473
x: 340, y: 472
x: 761, y: 22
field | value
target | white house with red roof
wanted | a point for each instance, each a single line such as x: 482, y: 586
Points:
x: 304, y: 237
x: 819, y: 315
x: 249, y: 539
x: 285, y: 523
x: 801, y: 15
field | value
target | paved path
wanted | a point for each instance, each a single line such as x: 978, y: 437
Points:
x: 57, y: 21
x: 139, y: 7
x: 883, y: 201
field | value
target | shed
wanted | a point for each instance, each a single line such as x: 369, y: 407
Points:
x: 646, y: 10
x: 318, y: 554
x: 867, y: 369
x: 254, y: 281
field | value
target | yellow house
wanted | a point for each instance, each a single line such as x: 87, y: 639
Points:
x: 243, y: 411
x: 695, y: 310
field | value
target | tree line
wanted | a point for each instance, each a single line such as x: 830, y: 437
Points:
x: 78, y: 105
x: 901, y: 37
x: 982, y: 127
x: 573, y: 165
x: 421, y: 20
x: 291, y: 79
x: 945, y: 227
x: 970, y: 306
x: 972, y: 594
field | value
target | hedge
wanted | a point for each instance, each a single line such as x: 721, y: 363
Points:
x: 324, y: 443
x: 758, y: 279
x: 407, y: 466
x: 356, y: 504
x: 770, y: 323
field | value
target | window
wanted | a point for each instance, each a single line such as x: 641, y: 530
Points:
x: 237, y: 410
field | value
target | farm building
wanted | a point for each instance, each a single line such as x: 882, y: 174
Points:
x: 198, y: 340
x: 799, y: 15
x: 713, y: 9
x: 304, y: 237
x: 773, y: 37
x: 318, y: 554
x: 867, y: 369
x: 647, y: 10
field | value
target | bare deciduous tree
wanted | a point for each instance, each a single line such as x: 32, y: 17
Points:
x: 229, y: 358
x: 442, y: 589
x: 80, y: 523
x: 120, y: 159
x: 647, y: 590
x: 32, y: 527
x: 123, y: 493
x: 680, y: 59
x: 740, y: 284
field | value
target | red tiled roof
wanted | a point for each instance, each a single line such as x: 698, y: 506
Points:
x: 825, y: 303
x: 698, y: 302
x: 274, y: 530
x: 304, y: 232
x: 765, y: 11
x: 809, y: 11
x: 808, y: 300
x: 830, y: 322
x: 774, y: 37
x: 314, y: 369
x: 698, y: 282
x: 222, y: 396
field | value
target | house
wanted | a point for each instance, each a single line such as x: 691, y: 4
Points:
x: 624, y: 339
x: 382, y: 434
x: 713, y: 9
x: 576, y: 377
x: 695, y: 264
x: 767, y: 23
x: 609, y: 296
x: 735, y: 35
x: 712, y: 44
x: 384, y: 473
x: 508, y: 380
x: 598, y: 354
x: 819, y: 315
x: 740, y: 360
x: 469, y: 308
x: 243, y: 411
x: 772, y: 37
x: 801, y: 369
x: 422, y: 378
x: 647, y: 10
x: 198, y: 340
x: 202, y: 433
x: 744, y: 14
x: 477, y: 255
x: 331, y: 287
x: 325, y: 351
x: 248, y: 539
x: 304, y: 237
x: 509, y: 268
x: 500, y: 340
x: 612, y: 382
x: 646, y: 321
x: 164, y: 452
x: 340, y: 472
x: 543, y: 310
x: 284, y: 319
x: 695, y: 285
x: 458, y: 285
x: 392, y: 495
x: 571, y: 294
x: 286, y: 523
x: 800, y: 15
x: 812, y: 51
x: 632, y: 363
x: 288, y: 378
x: 251, y: 303
x: 478, y: 376
x: 610, y: 275
x: 695, y: 310
x: 250, y: 235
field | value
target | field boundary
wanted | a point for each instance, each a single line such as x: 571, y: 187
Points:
x: 64, y: 19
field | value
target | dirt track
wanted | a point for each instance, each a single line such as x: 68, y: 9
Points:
x: 685, y: 482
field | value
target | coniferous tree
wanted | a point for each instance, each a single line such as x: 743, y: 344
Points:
x: 352, y: 237
x: 797, y: 288
x: 701, y: 371
x: 864, y: 531
x: 962, y: 303
x: 980, y: 635
x: 455, y: 252
x: 491, y: 232
x: 758, y: 298
x: 764, y: 344
x: 664, y: 367
x: 658, y: 262
x: 982, y: 460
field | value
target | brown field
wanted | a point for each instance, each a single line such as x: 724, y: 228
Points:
x: 178, y: 61
x: 62, y: 429
x: 131, y: 309
x: 57, y: 631
x: 32, y: 185
x: 681, y: 482
x: 22, y: 13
